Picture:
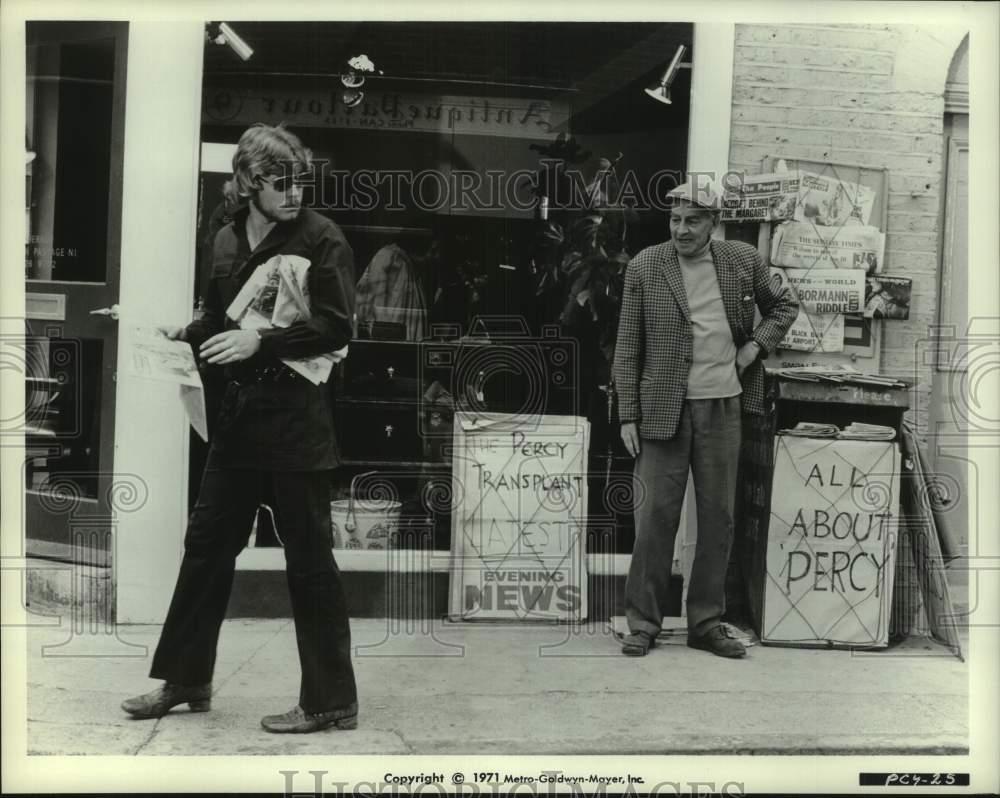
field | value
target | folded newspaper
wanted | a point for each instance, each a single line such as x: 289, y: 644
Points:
x: 808, y: 429
x: 838, y: 373
x: 760, y: 198
x: 825, y: 200
x: 858, y: 431
x: 803, y: 245
x: 153, y: 356
x: 277, y: 295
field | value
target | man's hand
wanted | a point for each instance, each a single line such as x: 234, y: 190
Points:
x: 173, y: 333
x: 230, y: 347
x: 630, y: 437
x: 748, y: 353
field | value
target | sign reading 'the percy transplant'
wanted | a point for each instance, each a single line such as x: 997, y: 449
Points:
x: 519, y: 518
x: 831, y: 543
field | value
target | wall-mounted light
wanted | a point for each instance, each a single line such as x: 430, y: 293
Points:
x: 661, y: 91
x: 222, y: 33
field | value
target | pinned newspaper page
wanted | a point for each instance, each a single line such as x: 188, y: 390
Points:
x: 802, y: 245
x: 824, y: 290
x: 759, y: 198
x: 153, y: 356
x: 827, y: 201
x: 277, y: 295
x: 815, y: 332
x: 888, y: 297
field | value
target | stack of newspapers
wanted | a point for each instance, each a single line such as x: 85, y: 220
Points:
x: 856, y: 431
x: 835, y: 374
x: 809, y: 429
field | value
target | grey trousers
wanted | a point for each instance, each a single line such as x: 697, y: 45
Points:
x: 707, y: 442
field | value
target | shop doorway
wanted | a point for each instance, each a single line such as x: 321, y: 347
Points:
x: 73, y: 163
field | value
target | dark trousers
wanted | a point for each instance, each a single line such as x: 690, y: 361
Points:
x: 218, y: 530
x: 708, y: 443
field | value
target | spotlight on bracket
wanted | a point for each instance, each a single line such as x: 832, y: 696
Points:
x: 222, y: 33
x: 661, y: 91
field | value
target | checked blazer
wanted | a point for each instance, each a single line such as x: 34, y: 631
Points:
x: 654, y: 347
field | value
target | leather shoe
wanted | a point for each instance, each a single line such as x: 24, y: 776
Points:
x: 161, y: 700
x: 637, y: 644
x: 298, y: 721
x: 718, y: 641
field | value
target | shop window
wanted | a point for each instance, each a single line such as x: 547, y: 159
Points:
x: 452, y: 136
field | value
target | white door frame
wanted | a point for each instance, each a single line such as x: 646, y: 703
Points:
x: 159, y: 231
x: 708, y: 152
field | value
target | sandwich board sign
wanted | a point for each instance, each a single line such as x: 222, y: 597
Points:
x: 831, y: 544
x: 519, y: 511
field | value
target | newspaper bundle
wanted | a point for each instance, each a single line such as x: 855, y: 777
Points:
x: 803, y: 245
x: 809, y: 429
x: 277, y: 295
x: 858, y: 431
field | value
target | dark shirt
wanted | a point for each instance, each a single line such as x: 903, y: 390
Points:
x: 283, y: 425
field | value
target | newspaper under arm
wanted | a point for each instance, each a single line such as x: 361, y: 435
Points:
x: 277, y: 295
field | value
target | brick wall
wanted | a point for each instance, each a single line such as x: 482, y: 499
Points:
x: 871, y: 95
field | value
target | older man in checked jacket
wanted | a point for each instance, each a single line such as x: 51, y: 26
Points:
x: 687, y: 365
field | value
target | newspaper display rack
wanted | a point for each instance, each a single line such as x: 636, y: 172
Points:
x: 830, y: 447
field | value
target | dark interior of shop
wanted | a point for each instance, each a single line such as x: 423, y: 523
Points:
x: 501, y: 257
x: 597, y: 70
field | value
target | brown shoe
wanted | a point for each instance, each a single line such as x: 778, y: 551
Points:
x: 637, y: 644
x: 159, y: 702
x: 718, y: 641
x: 297, y: 721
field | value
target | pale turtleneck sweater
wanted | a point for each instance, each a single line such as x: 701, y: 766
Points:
x: 713, y: 361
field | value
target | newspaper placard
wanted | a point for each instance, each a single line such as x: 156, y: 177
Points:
x: 827, y: 201
x: 831, y: 544
x: 802, y: 245
x: 825, y: 290
x: 888, y: 297
x: 519, y: 513
x: 153, y: 356
x: 759, y: 198
x: 815, y: 332
x: 277, y: 295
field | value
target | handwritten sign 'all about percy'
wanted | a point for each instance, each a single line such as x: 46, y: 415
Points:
x: 831, y: 544
x: 519, y: 504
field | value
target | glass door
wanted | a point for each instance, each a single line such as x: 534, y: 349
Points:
x: 73, y: 178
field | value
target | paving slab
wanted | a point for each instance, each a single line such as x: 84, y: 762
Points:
x: 448, y: 688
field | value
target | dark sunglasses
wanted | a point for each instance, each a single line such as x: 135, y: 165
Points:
x: 285, y: 182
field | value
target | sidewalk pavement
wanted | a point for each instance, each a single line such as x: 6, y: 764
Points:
x: 473, y: 688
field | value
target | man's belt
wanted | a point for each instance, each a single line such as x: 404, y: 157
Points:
x: 272, y: 374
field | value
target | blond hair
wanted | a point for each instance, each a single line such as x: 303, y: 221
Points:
x: 265, y: 151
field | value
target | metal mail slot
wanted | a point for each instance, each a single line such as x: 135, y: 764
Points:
x: 49, y: 307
